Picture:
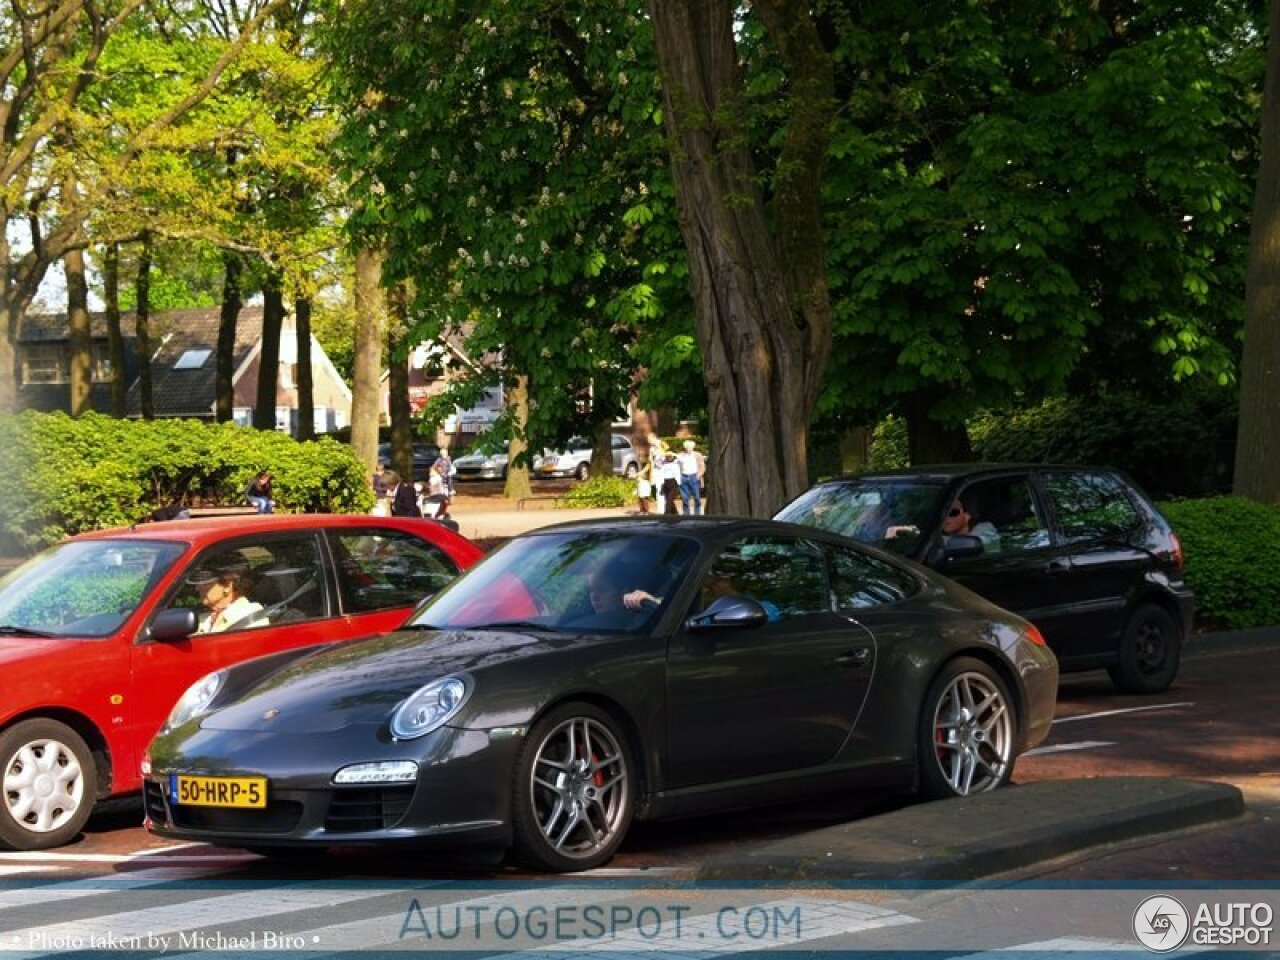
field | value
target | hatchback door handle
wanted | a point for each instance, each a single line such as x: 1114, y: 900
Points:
x: 854, y: 658
x: 1057, y: 566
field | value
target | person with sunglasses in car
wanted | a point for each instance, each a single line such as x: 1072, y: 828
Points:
x: 960, y: 521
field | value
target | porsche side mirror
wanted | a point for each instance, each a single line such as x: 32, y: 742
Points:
x: 729, y: 612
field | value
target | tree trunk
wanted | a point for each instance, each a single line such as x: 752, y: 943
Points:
x: 224, y: 389
x: 371, y: 325
x: 306, y: 378
x: 517, y: 398
x: 264, y: 407
x: 81, y: 335
x: 9, y: 333
x: 1257, y: 467
x: 115, y: 336
x: 398, y: 382
x: 928, y: 440
x: 763, y: 314
x: 142, y: 329
x: 602, y: 449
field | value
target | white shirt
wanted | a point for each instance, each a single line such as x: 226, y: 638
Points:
x: 690, y: 463
x: 241, y: 609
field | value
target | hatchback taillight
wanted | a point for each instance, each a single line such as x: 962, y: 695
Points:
x: 1177, y: 551
x: 1034, y: 635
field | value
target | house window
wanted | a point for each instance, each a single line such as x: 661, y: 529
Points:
x: 46, y: 363
x: 192, y: 359
x: 101, y: 363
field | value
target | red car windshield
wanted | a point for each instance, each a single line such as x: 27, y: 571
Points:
x: 84, y: 588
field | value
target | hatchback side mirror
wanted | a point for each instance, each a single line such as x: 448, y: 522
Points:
x: 961, y: 545
x: 177, y: 623
x: 729, y: 612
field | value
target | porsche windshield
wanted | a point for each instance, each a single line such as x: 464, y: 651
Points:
x: 84, y: 588
x: 578, y: 582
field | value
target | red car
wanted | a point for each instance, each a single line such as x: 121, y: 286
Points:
x: 101, y: 634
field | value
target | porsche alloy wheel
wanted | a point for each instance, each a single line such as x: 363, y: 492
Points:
x: 968, y: 732
x: 48, y: 781
x: 574, y: 793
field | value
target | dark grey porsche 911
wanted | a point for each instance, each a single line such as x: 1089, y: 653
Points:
x: 592, y: 673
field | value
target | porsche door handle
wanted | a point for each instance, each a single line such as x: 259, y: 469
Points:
x: 857, y: 657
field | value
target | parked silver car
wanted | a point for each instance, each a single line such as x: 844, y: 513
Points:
x: 575, y: 461
x: 487, y: 463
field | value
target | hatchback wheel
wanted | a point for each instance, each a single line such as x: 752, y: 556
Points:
x: 49, y: 783
x: 574, y: 793
x: 582, y: 472
x: 1149, y: 651
x: 966, y: 731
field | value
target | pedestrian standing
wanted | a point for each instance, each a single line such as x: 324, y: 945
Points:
x: 692, y: 468
x: 644, y: 483
x: 259, y: 492
x: 670, y: 471
x: 402, y: 497
x: 380, y: 508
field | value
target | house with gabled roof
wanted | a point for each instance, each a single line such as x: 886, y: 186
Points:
x: 183, y: 369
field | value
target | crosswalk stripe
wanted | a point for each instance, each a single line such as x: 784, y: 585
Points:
x: 216, y: 912
x: 15, y: 870
x: 93, y: 886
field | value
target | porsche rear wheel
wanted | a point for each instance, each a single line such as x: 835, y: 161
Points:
x: 574, y: 792
x: 49, y: 785
x: 967, y: 729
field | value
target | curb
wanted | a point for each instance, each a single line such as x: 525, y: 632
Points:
x: 974, y: 837
x: 1231, y: 641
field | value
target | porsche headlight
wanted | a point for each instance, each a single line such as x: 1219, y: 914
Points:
x: 196, y: 700
x: 429, y: 708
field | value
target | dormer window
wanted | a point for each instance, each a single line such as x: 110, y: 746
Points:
x: 192, y: 359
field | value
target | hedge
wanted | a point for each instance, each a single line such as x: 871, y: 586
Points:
x: 61, y: 475
x: 1232, y: 551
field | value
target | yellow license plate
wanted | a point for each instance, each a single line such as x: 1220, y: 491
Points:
x: 218, y: 791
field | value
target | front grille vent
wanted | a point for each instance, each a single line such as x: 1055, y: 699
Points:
x: 361, y: 809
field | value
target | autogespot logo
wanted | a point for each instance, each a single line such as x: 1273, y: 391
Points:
x: 1161, y: 923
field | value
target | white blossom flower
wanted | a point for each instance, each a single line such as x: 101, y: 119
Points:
x: 545, y: 247
x: 378, y: 188
x: 453, y: 176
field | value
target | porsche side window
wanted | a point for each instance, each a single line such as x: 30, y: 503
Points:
x: 787, y: 577
x: 861, y: 581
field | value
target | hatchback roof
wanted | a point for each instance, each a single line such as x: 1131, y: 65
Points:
x: 206, y: 529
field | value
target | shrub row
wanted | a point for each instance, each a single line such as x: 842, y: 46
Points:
x: 60, y: 476
x: 1232, y: 550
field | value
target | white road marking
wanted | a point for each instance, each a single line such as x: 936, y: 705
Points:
x: 1112, y: 713
x: 92, y: 886
x: 705, y: 935
x: 1068, y: 747
x: 15, y: 870
x: 214, y: 912
x: 145, y: 856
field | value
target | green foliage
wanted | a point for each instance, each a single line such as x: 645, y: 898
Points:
x: 1232, y: 550
x: 60, y: 476
x: 889, y: 450
x: 1031, y: 195
x: 600, y: 492
x: 512, y: 163
x: 1180, y: 444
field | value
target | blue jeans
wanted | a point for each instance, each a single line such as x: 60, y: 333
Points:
x: 690, y: 489
x: 264, y: 504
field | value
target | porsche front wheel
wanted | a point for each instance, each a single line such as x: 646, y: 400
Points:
x: 574, y: 792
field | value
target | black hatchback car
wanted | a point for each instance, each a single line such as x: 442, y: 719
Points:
x: 1081, y: 552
